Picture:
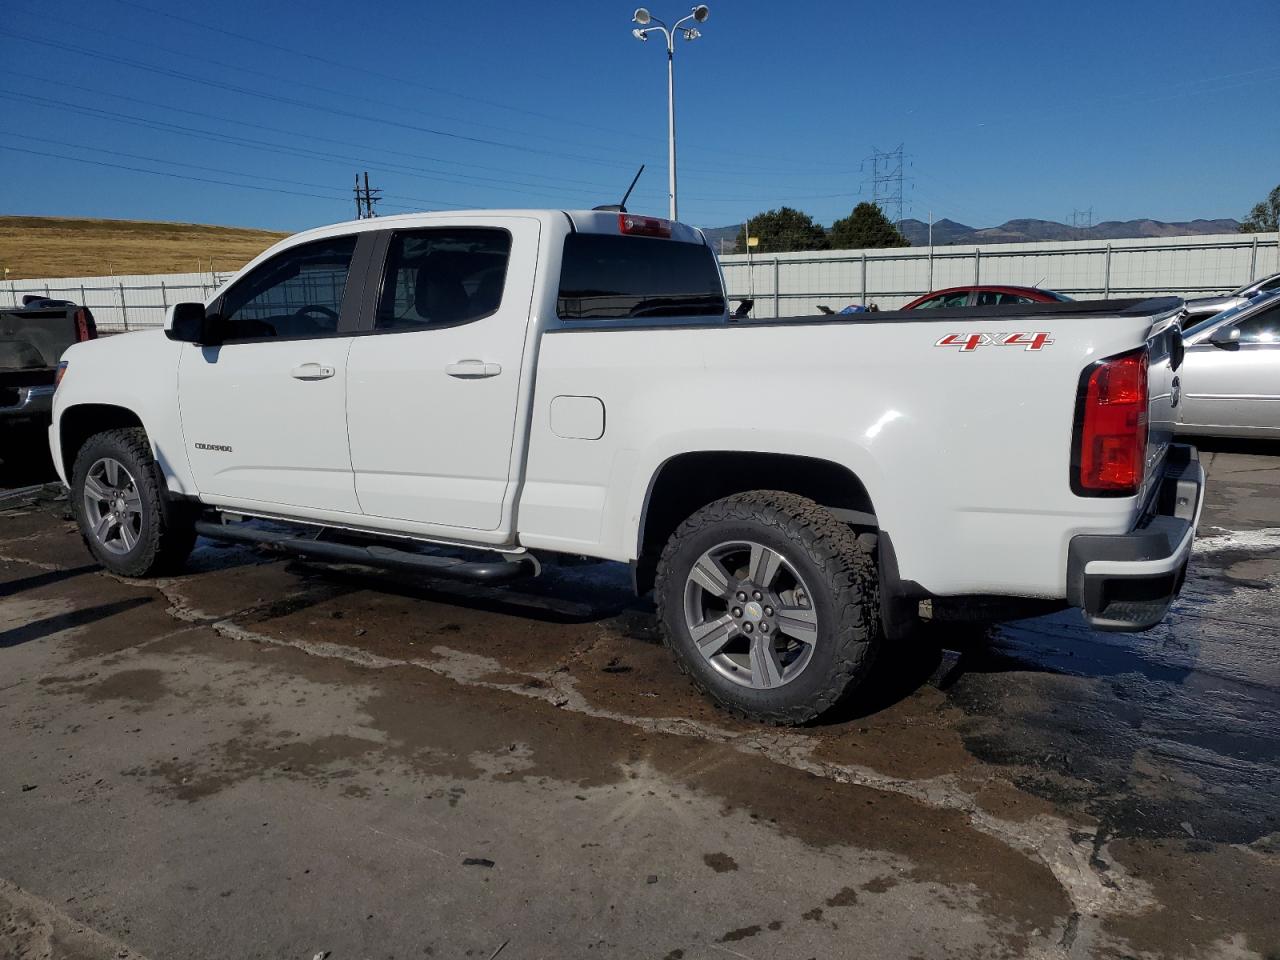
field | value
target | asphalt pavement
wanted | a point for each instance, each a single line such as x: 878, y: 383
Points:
x: 274, y: 758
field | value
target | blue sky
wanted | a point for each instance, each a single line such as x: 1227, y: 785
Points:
x: 1133, y: 108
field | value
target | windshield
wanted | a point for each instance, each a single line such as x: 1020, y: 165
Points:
x: 1060, y: 297
x: 1267, y: 283
x: 1228, y: 314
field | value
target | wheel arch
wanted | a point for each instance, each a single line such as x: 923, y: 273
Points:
x: 78, y: 423
x: 689, y: 481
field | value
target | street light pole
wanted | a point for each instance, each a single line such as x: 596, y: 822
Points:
x: 671, y: 129
x: 648, y: 25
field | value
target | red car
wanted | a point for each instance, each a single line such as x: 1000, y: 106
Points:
x: 983, y: 295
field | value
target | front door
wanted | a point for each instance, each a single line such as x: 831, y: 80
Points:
x: 434, y: 386
x: 264, y: 413
x: 1236, y: 387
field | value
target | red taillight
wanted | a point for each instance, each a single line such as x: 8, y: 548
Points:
x: 634, y: 226
x: 1111, y: 441
x: 86, y: 329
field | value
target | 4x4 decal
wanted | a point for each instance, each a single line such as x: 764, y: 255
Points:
x: 969, y: 342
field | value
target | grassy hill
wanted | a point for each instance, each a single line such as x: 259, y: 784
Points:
x: 68, y: 247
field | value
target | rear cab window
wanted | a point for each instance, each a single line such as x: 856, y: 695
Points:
x: 620, y: 278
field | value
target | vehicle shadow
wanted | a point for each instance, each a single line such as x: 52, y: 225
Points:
x: 1259, y: 448
x: 47, y: 626
x: 24, y: 457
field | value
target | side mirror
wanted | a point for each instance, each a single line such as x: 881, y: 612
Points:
x: 188, y: 324
x: 1226, y: 337
x: 743, y: 308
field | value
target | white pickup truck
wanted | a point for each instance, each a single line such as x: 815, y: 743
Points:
x: 513, y: 384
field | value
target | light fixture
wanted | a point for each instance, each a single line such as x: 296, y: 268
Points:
x: 701, y: 12
x: 692, y: 34
x: 639, y: 34
x: 642, y: 16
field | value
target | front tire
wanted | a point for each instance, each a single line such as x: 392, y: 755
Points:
x: 771, y: 605
x: 117, y: 495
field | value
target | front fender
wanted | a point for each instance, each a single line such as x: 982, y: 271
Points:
x: 135, y: 372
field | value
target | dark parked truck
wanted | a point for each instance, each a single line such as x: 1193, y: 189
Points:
x: 32, y: 339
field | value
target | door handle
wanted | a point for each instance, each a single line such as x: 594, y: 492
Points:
x: 473, y: 369
x: 311, y: 371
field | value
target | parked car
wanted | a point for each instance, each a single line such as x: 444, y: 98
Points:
x: 1230, y: 380
x: 984, y: 295
x: 32, y: 338
x: 1198, y: 308
x: 515, y: 385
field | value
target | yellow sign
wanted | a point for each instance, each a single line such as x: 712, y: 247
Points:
x: 753, y: 241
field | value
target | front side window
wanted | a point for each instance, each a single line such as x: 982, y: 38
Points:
x: 1261, y: 328
x: 608, y: 277
x: 297, y: 293
x: 442, y: 277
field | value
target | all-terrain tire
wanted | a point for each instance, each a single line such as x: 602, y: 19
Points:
x: 838, y: 565
x: 167, y: 530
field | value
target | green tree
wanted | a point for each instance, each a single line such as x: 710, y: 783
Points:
x: 866, y: 227
x: 1265, y: 216
x: 783, y: 231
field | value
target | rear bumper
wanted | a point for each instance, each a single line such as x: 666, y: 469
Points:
x: 1126, y: 582
x: 26, y: 403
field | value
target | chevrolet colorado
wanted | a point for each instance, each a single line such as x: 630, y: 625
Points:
x: 463, y: 393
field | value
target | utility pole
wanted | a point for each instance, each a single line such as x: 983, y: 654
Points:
x: 1081, y: 221
x: 886, y: 182
x: 366, y: 197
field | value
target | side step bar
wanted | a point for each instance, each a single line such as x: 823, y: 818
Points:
x: 375, y: 555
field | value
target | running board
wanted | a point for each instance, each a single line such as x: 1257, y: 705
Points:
x: 376, y: 555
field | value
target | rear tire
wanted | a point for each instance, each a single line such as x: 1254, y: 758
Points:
x: 118, y: 497
x: 771, y: 605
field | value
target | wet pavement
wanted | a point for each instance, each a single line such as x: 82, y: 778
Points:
x: 271, y: 758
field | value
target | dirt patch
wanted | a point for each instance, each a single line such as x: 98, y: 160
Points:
x: 913, y: 738
x: 137, y: 686
x: 846, y: 897
x: 720, y: 862
x: 880, y: 885
x: 1206, y: 897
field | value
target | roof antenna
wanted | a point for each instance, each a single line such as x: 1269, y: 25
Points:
x: 622, y: 207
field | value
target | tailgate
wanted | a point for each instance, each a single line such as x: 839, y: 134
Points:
x: 34, y: 339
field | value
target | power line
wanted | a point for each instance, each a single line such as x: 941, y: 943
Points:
x: 282, y: 149
x: 398, y: 78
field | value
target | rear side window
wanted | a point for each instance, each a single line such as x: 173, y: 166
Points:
x: 443, y: 277
x: 606, y: 277
x: 942, y: 300
x: 297, y: 293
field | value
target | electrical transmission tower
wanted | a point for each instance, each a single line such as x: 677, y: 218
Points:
x: 1081, y: 221
x: 366, y: 197
x: 886, y: 182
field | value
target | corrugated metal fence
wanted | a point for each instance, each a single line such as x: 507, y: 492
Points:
x: 796, y: 283
x: 122, y: 303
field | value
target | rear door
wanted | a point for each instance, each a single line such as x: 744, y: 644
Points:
x: 434, y: 380
x: 264, y: 412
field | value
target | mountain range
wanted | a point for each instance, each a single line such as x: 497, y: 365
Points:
x: 949, y: 232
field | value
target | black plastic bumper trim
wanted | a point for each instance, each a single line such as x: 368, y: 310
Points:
x: 1133, y: 602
